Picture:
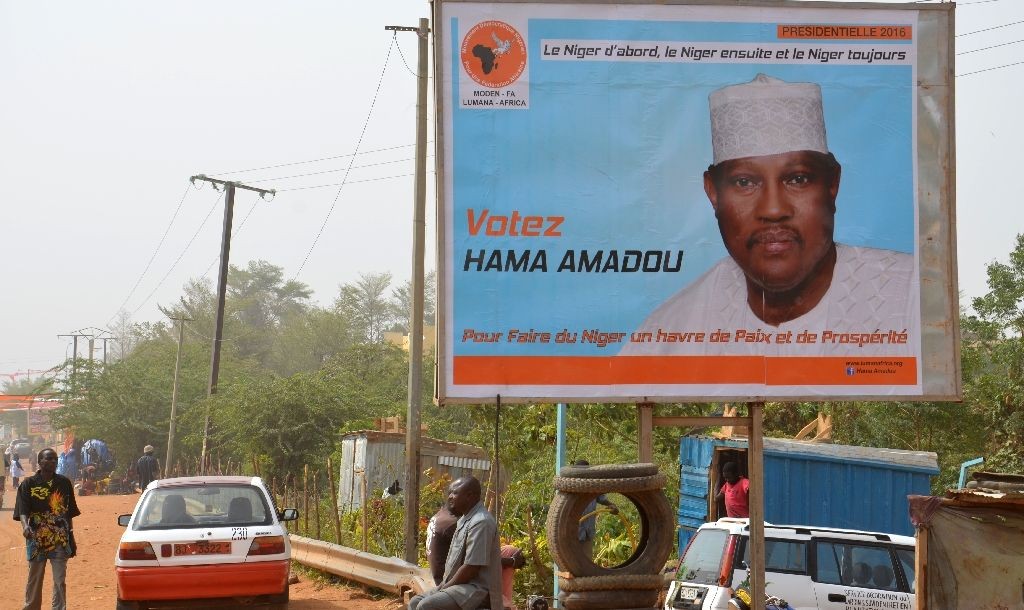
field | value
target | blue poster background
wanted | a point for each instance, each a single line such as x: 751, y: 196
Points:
x: 618, y: 149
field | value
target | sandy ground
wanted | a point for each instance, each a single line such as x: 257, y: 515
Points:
x: 91, y: 584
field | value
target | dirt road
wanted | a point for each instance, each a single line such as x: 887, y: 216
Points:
x: 91, y: 584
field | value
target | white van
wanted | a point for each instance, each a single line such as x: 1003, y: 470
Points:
x: 812, y: 568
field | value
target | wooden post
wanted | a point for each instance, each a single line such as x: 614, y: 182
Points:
x: 366, y: 508
x: 334, y: 503
x: 316, y: 501
x: 305, y: 500
x: 921, y: 569
x: 645, y: 431
x: 755, y: 472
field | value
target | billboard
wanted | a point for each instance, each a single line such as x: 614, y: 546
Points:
x: 695, y: 201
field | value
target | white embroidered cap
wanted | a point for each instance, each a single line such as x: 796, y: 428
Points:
x: 766, y: 116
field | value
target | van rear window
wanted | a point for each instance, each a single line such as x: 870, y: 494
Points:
x: 702, y: 560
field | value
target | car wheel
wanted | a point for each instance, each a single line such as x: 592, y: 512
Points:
x: 126, y: 605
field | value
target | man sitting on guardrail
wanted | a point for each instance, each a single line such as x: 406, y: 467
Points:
x: 472, y: 573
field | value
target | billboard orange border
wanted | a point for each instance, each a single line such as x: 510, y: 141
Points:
x: 681, y: 370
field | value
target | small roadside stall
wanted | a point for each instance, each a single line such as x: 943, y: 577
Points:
x: 969, y: 547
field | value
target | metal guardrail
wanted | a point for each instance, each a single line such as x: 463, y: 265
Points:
x: 387, y: 573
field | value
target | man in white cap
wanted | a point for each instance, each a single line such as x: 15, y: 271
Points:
x: 148, y: 467
x: 773, y: 188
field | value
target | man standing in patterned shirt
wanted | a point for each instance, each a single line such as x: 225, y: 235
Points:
x: 45, y: 505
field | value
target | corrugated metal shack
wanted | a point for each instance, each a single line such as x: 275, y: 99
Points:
x: 379, y: 457
x: 808, y: 483
x: 969, y: 545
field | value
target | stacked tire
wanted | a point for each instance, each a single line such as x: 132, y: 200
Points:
x: 636, y: 583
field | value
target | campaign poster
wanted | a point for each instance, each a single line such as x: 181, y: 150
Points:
x: 678, y: 202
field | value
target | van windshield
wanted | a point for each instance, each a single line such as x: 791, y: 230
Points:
x: 702, y: 561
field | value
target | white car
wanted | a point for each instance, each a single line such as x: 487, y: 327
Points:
x: 210, y: 538
x: 812, y: 568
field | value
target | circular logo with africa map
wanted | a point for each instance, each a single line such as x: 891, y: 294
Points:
x: 493, y: 54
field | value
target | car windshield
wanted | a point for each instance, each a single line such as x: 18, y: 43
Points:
x: 202, y: 506
x: 702, y: 560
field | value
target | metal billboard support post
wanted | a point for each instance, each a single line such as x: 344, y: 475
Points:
x: 563, y: 415
x: 412, y: 428
x: 755, y: 502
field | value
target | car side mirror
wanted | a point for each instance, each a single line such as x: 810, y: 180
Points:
x: 123, y: 520
x: 288, y: 514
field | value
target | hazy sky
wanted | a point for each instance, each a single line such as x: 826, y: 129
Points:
x: 108, y: 107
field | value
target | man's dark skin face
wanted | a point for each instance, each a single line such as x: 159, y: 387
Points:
x: 776, y: 214
x: 48, y: 463
x: 463, y: 495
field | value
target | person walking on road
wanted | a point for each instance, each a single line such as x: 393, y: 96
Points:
x: 148, y: 467
x: 46, y: 505
x: 472, y: 574
x: 16, y: 471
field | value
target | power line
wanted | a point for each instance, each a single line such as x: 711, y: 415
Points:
x: 153, y: 257
x: 177, y: 260
x: 331, y: 171
x: 402, y: 55
x: 995, y: 46
x: 320, y: 186
x: 351, y: 154
x: 991, y: 69
x: 995, y: 27
x: 237, y: 230
x: 359, y: 142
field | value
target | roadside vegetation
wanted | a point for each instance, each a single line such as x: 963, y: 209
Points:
x: 295, y: 375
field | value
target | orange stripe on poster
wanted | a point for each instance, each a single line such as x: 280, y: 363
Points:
x: 606, y: 370
x: 663, y: 370
x: 841, y: 370
x: 824, y: 31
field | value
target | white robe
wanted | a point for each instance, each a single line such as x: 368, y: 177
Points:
x: 872, y: 301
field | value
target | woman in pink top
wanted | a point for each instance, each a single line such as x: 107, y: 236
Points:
x: 735, y: 490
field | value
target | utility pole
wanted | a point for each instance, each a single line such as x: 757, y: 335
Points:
x: 412, y: 427
x: 74, y: 356
x: 104, y: 340
x: 222, y: 285
x: 174, y: 394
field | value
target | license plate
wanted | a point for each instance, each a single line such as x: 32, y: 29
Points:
x: 688, y: 593
x: 203, y: 548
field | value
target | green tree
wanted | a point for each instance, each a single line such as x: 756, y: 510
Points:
x: 26, y: 386
x: 127, y: 403
x: 993, y: 361
x: 401, y: 303
x: 293, y: 421
x: 365, y: 305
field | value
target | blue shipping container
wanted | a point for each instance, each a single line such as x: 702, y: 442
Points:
x: 807, y: 483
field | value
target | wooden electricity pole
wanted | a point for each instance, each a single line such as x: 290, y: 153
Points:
x: 222, y: 285
x: 412, y: 426
x: 174, y: 394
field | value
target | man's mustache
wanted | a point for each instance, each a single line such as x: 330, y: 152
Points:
x: 774, y: 234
